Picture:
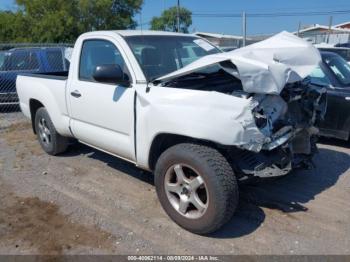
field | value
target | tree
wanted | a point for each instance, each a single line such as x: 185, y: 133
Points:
x: 64, y: 20
x: 49, y: 21
x: 107, y: 14
x: 12, y: 27
x: 168, y: 20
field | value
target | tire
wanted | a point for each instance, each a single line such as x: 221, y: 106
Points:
x: 203, y: 164
x: 54, y: 143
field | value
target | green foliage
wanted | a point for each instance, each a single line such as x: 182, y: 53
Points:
x: 168, y: 20
x: 11, y: 24
x: 64, y: 20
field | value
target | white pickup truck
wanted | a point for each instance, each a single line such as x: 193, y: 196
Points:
x: 174, y: 104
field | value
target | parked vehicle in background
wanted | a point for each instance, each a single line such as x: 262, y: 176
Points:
x: 175, y: 104
x: 27, y: 60
x: 343, y: 45
x: 343, y: 51
x: 334, y: 72
x: 228, y: 49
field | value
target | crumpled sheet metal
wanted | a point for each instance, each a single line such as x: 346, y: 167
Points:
x: 264, y: 67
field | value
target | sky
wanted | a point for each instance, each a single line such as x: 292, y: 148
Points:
x: 233, y: 25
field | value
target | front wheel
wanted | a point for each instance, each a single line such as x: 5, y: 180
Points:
x: 51, y: 141
x: 196, y: 187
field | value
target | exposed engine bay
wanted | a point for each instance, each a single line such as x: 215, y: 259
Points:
x: 284, y: 105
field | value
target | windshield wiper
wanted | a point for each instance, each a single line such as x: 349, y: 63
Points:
x: 191, y: 76
x: 152, y: 80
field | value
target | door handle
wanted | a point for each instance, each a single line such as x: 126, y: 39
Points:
x: 76, y: 93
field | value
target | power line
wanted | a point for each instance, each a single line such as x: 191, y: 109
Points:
x: 339, y: 12
x: 276, y: 14
x: 286, y: 9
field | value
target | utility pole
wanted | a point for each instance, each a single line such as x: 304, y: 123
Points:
x: 299, y: 28
x: 244, y: 28
x: 178, y: 16
x: 141, y: 20
x: 330, y: 28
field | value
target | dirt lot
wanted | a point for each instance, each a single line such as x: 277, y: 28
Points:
x: 85, y: 201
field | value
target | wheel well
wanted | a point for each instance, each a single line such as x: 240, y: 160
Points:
x: 34, y: 105
x: 164, y: 141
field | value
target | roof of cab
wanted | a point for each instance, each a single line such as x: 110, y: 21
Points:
x: 148, y: 32
x: 141, y: 32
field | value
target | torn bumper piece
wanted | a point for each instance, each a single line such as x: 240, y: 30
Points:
x: 277, y: 162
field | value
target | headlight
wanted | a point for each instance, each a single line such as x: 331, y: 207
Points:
x: 261, y: 120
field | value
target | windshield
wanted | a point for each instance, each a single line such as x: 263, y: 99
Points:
x: 318, y: 77
x: 161, y: 55
x: 339, y: 67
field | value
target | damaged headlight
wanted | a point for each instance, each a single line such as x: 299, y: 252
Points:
x: 269, y: 111
x: 261, y: 120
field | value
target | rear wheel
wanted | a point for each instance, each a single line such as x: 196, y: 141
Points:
x: 196, y: 187
x: 51, y: 141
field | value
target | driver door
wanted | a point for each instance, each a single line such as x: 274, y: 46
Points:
x: 102, y: 115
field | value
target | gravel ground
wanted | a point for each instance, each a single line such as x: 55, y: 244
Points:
x: 87, y: 202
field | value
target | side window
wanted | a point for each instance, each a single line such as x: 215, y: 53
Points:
x: 55, y: 60
x: 98, y: 52
x: 23, y: 61
x: 2, y: 59
x: 318, y: 77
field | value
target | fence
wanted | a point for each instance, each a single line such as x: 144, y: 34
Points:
x: 325, y: 37
x: 26, y: 58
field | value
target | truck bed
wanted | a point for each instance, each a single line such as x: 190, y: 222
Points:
x: 62, y: 75
x: 50, y: 91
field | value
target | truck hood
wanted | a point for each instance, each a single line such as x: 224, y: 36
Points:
x: 263, y: 68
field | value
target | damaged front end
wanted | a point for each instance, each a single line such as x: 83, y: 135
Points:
x: 288, y: 124
x: 279, y: 132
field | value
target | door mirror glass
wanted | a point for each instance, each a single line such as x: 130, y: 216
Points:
x: 111, y: 74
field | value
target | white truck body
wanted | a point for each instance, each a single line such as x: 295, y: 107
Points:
x: 125, y: 121
x: 176, y: 105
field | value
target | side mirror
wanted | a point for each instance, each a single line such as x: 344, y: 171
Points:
x: 111, y: 74
x: 331, y: 86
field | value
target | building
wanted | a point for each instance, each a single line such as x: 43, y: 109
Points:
x: 225, y: 42
x: 345, y: 25
x: 317, y: 33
